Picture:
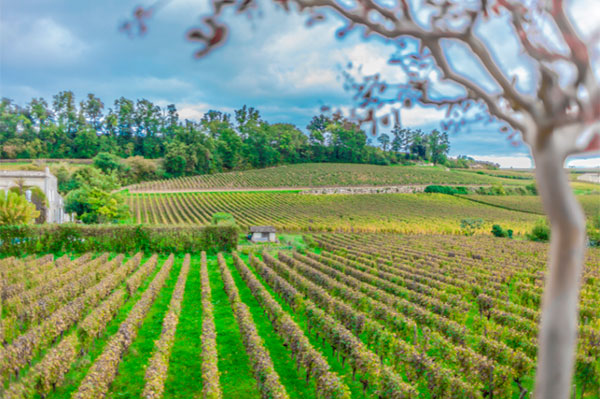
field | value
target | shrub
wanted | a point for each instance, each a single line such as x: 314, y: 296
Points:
x: 540, y: 232
x: 222, y: 218
x: 498, y: 231
x: 531, y: 188
x: 440, y: 189
x: 69, y: 237
x: 446, y: 190
x: 498, y: 189
x: 15, y: 209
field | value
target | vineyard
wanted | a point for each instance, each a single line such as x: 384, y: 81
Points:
x: 533, y: 204
x: 328, y: 175
x: 357, y: 316
x: 404, y: 213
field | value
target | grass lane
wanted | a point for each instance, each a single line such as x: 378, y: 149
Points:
x: 184, y: 379
x: 237, y: 381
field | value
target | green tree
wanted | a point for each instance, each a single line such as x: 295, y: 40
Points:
x: 439, y: 145
x: 15, y: 209
x: 93, y: 205
x: 384, y: 140
x: 107, y: 162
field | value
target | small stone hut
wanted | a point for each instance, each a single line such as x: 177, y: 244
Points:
x: 262, y: 234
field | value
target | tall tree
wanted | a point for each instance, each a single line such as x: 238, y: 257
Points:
x: 91, y: 110
x: 439, y: 145
x: 384, y: 140
x: 66, y: 112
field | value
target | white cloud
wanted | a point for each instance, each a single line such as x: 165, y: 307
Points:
x: 515, y: 161
x: 418, y: 116
x: 593, y: 162
x: 42, y: 41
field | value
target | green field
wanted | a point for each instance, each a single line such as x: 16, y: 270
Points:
x: 423, y: 316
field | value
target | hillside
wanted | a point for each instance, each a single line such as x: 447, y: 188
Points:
x: 289, y: 211
x: 330, y: 175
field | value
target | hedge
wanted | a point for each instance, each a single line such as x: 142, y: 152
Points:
x: 70, y: 237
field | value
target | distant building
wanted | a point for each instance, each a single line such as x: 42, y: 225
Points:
x: 262, y: 234
x: 46, y: 181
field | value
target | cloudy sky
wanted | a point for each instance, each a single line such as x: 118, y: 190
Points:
x: 272, y: 62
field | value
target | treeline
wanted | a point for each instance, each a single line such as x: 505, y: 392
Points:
x: 219, y: 142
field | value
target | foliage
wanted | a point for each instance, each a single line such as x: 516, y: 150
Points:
x: 107, y: 162
x: 541, y: 231
x: 67, y: 237
x: 38, y: 198
x: 15, y: 209
x: 498, y: 231
x: 218, y: 143
x: 593, y: 230
x: 222, y: 218
x: 93, y: 205
x: 446, y: 190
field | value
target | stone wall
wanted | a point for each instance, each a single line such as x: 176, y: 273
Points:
x: 404, y: 189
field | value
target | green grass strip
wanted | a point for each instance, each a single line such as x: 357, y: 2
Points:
x: 185, y: 375
x: 237, y: 381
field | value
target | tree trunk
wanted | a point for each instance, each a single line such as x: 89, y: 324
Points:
x: 559, y: 317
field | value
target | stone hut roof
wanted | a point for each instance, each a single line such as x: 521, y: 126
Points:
x: 262, y: 229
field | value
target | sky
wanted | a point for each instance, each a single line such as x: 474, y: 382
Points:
x: 272, y: 62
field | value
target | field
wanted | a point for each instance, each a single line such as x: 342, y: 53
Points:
x: 292, y: 211
x: 356, y: 316
x: 325, y: 175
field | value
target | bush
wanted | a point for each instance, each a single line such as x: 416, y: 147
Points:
x: 17, y: 240
x: 15, y: 209
x: 498, y: 231
x: 222, y: 218
x: 498, y: 189
x: 531, y: 189
x: 540, y: 232
x: 446, y: 190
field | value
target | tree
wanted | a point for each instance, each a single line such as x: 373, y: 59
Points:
x: 107, y: 162
x: 15, y: 209
x: 384, y: 140
x: 559, y: 118
x: 439, y: 145
x: 93, y: 205
x: 176, y: 159
x: 418, y: 145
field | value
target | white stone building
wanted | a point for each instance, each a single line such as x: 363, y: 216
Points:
x: 262, y: 234
x: 46, y: 181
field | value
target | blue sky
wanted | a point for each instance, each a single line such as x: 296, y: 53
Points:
x: 272, y: 62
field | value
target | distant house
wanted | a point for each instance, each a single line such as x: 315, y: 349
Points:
x: 46, y: 181
x: 262, y: 234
